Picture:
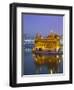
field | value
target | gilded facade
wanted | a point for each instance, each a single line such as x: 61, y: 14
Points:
x: 48, y: 43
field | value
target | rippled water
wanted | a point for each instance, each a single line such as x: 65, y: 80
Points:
x: 41, y: 64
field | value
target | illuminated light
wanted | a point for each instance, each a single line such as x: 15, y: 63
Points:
x: 43, y: 47
x: 41, y: 37
x: 58, y: 38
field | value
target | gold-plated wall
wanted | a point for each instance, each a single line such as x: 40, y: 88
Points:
x: 49, y: 43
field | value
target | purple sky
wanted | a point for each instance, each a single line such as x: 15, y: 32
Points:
x: 42, y: 24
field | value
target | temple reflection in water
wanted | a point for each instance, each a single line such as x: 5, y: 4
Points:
x: 50, y: 62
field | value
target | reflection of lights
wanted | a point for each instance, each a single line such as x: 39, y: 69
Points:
x: 51, y: 61
x: 51, y: 71
x: 57, y: 56
x: 59, y: 61
x: 43, y: 59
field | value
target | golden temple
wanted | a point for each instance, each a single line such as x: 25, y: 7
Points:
x: 48, y: 43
